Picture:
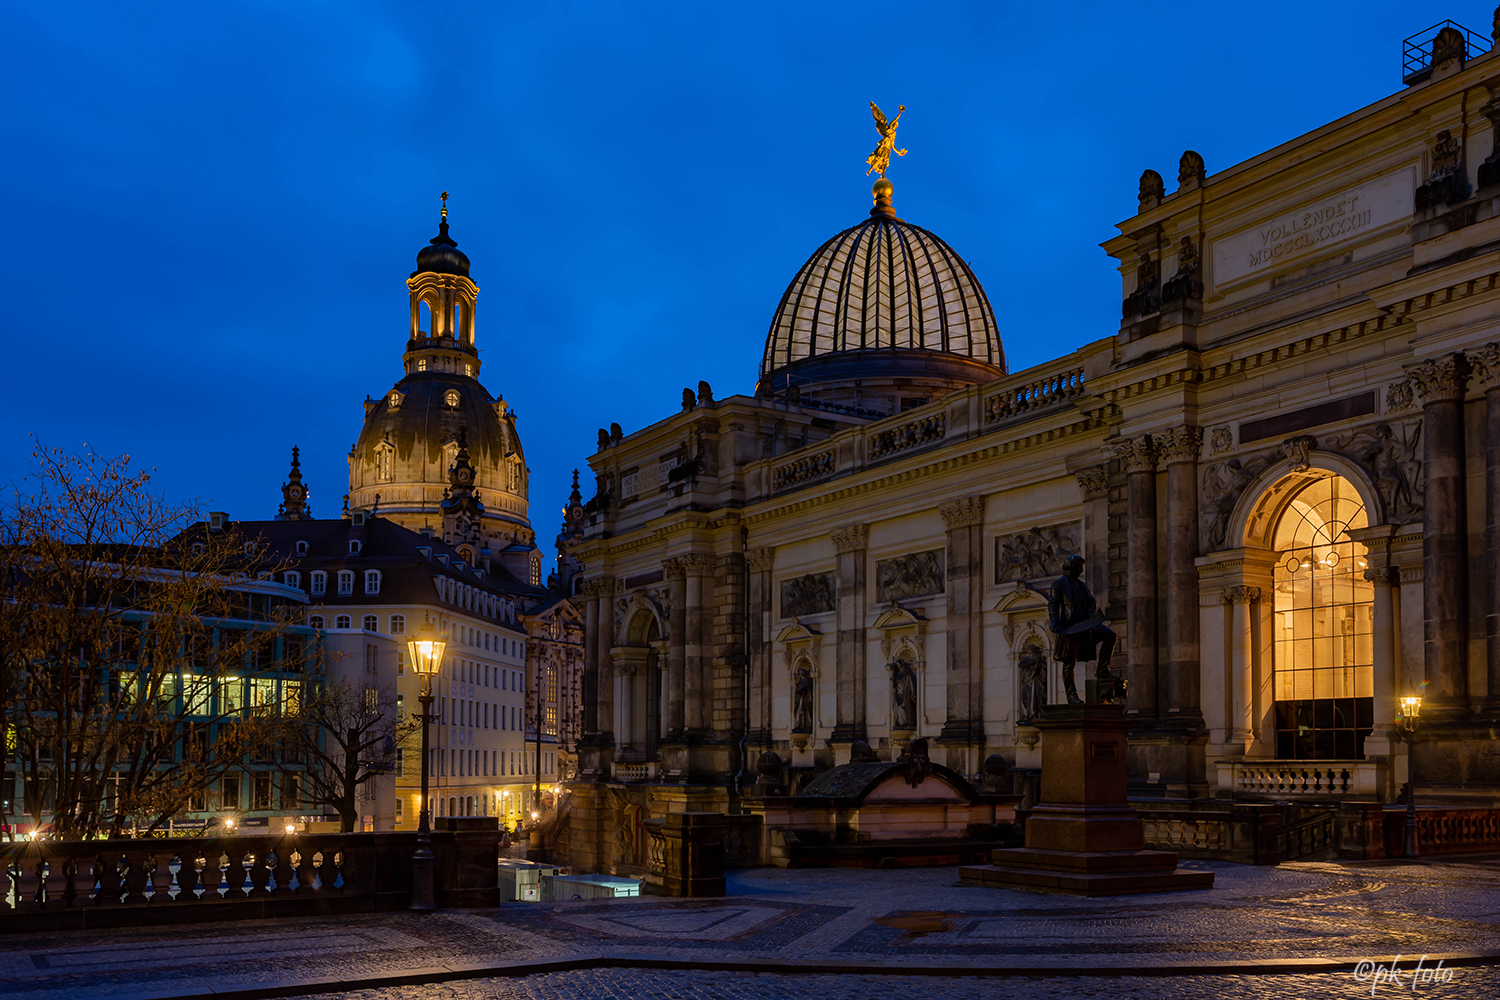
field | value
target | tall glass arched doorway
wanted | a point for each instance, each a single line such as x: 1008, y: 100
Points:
x: 1324, y: 668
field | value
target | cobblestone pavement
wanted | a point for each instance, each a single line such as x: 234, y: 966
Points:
x: 831, y: 920
x: 629, y: 984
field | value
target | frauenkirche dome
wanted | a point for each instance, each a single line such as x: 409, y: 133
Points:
x: 883, y: 316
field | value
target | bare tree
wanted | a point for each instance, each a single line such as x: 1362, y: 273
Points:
x: 130, y: 639
x: 344, y: 737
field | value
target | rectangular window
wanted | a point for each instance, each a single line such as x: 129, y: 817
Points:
x: 372, y: 581
x: 262, y: 694
x: 371, y: 623
x: 292, y: 578
x: 400, y: 812
x: 229, y: 792
x: 372, y: 701
x: 231, y: 695
x: 346, y: 581
x: 400, y: 758
x: 291, y: 697
x: 398, y: 624
x: 319, y: 583
x: 400, y: 708
x: 260, y: 796
x: 291, y: 791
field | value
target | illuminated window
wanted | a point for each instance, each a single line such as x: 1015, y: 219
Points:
x: 421, y: 364
x: 1324, y: 673
x: 451, y: 398
x: 384, y: 455
x: 536, y: 572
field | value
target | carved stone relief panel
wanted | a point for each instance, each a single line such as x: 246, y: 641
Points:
x: 915, y: 575
x: 1036, y: 553
x: 807, y: 595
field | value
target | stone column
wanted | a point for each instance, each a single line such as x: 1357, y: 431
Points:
x: 676, y: 574
x: 963, y: 725
x: 1440, y: 384
x: 758, y: 655
x: 849, y: 653
x: 1485, y: 362
x: 1093, y: 483
x: 1241, y: 601
x: 1383, y: 658
x: 699, y: 622
x: 1180, y: 447
x: 1138, y: 456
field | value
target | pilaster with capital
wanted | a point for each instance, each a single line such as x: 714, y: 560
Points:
x: 1484, y: 364
x: 849, y: 598
x: 676, y: 572
x: 698, y: 588
x: 1093, y: 483
x: 1242, y: 659
x: 1440, y: 384
x: 963, y: 724
x: 1138, y: 457
x: 1180, y: 447
x: 760, y: 562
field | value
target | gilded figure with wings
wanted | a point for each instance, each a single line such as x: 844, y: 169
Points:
x: 881, y: 159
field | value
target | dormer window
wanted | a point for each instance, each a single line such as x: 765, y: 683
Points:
x: 443, y: 558
x: 424, y: 551
x: 394, y: 399
x: 372, y: 581
x: 302, y: 548
x: 319, y: 583
x: 346, y: 581
x: 357, y: 519
x: 249, y: 548
x: 354, y: 546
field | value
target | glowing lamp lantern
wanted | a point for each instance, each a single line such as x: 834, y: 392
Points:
x: 426, y: 651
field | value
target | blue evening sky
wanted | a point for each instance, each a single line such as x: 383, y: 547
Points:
x: 210, y: 209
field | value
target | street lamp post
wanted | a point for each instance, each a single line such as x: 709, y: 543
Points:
x: 1411, y: 707
x: 426, y: 651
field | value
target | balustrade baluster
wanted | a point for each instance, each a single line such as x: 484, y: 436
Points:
x: 211, y: 875
x: 329, y: 872
x: 284, y: 869
x: 70, y: 881
x: 160, y: 869
x: 234, y: 868
x: 187, y: 875
x: 108, y: 878
x: 260, y: 874
x: 9, y: 878
x: 307, y: 872
x: 136, y: 876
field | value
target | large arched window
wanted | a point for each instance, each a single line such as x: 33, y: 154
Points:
x: 1325, y: 678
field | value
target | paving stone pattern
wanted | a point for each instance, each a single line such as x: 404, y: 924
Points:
x: 821, y: 921
x: 630, y: 984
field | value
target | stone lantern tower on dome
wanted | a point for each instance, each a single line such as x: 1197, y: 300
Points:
x: 438, y: 426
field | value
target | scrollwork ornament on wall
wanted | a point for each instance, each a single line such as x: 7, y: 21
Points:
x: 1220, y: 440
x: 1298, y: 451
x: 1398, y: 396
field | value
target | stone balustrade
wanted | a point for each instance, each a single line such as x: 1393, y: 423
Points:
x: 802, y: 470
x: 112, y: 883
x: 1319, y: 779
x: 1443, y: 831
x: 1034, y: 395
x: 925, y: 430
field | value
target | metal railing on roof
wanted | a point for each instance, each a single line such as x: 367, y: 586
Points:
x: 1417, y: 51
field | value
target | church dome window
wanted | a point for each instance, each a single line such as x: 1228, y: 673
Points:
x: 394, y: 399
x: 384, y: 462
x: 451, y: 398
x: 469, y: 369
x: 421, y: 364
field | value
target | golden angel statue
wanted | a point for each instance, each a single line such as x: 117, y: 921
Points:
x: 881, y: 159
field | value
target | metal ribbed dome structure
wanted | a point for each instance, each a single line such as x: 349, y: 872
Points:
x: 882, y: 303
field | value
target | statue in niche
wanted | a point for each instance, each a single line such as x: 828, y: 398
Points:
x: 1033, y: 666
x: 1075, y: 618
x: 903, y: 695
x: 802, y: 698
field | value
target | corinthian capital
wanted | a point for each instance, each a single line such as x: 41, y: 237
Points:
x: 853, y: 538
x: 1484, y: 365
x: 1180, y: 444
x: 674, y: 568
x: 1439, y: 379
x: 699, y: 564
x: 1137, y: 454
x: 1240, y: 595
x: 597, y: 587
x: 1093, y: 481
x: 963, y: 512
x: 760, y: 559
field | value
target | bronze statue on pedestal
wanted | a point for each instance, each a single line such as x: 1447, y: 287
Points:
x: 1075, y: 618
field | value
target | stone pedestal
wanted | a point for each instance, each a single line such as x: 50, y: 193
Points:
x: 687, y: 852
x: 1083, y: 838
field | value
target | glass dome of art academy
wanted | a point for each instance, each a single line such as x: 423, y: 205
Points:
x: 883, y: 317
